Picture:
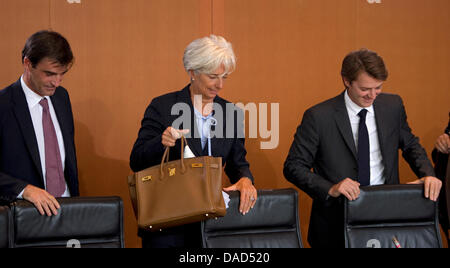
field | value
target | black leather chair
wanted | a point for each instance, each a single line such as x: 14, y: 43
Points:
x: 82, y: 222
x: 383, y: 213
x: 272, y: 223
x: 5, y: 227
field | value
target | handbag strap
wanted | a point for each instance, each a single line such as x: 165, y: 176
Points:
x: 165, y: 158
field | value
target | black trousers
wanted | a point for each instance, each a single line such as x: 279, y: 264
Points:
x: 186, y: 236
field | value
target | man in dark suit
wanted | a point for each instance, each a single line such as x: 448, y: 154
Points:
x: 37, y: 150
x: 352, y: 140
x: 440, y: 158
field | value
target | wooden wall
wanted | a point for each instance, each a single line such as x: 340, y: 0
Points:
x: 289, y: 52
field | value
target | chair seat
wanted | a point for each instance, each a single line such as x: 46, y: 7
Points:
x: 272, y: 223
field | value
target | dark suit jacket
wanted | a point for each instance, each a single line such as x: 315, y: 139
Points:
x: 324, y: 143
x: 441, y: 166
x: 20, y: 163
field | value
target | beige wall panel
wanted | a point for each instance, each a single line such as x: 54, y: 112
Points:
x: 19, y: 18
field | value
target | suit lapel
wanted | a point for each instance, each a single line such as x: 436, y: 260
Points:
x: 381, y: 119
x: 61, y: 113
x: 23, y: 117
x: 222, y: 116
x: 58, y: 105
x: 343, y: 124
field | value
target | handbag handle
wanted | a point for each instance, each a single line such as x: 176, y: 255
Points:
x: 165, y: 157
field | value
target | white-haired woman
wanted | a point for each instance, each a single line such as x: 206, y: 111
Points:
x: 208, y: 61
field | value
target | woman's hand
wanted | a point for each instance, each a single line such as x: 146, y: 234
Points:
x: 248, y: 194
x: 171, y: 135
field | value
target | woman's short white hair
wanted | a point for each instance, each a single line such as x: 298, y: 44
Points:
x: 205, y: 55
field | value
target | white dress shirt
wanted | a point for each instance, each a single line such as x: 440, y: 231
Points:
x: 36, y: 109
x: 376, y: 159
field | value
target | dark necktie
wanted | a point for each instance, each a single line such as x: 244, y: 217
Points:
x: 363, y: 150
x: 55, y: 183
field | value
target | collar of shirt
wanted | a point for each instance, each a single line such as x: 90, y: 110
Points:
x: 200, y: 116
x: 32, y: 97
x: 354, y: 108
x: 202, y: 124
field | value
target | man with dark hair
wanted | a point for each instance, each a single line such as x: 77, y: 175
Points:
x: 350, y: 141
x: 37, y: 149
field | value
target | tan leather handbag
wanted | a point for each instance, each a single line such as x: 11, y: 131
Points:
x: 177, y: 192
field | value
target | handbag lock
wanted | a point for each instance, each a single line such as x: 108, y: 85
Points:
x: 147, y: 178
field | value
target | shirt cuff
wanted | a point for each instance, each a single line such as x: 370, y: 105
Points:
x: 20, y: 196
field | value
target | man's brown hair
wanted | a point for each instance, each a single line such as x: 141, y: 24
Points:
x: 363, y: 60
x: 48, y: 44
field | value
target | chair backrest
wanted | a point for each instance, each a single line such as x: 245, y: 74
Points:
x: 386, y: 213
x: 81, y: 222
x: 272, y: 223
x: 5, y: 227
